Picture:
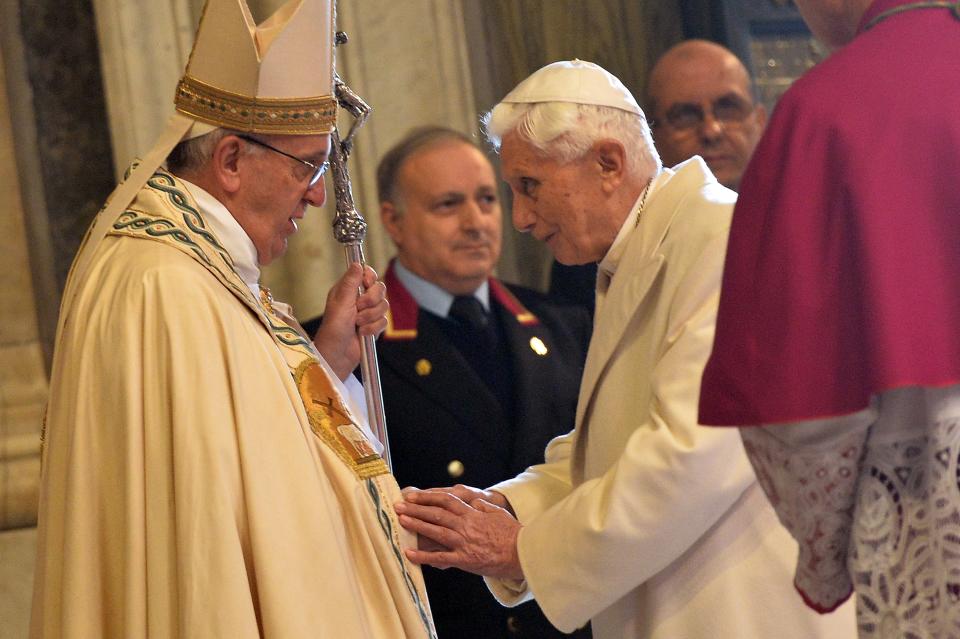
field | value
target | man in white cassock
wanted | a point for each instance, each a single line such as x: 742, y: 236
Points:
x: 206, y: 471
x: 639, y: 520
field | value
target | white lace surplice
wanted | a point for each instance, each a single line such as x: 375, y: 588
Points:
x: 873, y: 499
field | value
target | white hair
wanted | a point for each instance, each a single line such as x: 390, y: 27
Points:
x: 565, y: 131
x: 190, y: 155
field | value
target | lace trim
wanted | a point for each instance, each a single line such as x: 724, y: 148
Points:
x: 895, y: 538
x: 905, y: 554
x: 814, y: 495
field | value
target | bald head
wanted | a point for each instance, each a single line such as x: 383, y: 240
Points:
x: 690, y: 62
x: 700, y: 97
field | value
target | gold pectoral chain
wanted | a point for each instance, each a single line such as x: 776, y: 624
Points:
x: 643, y: 201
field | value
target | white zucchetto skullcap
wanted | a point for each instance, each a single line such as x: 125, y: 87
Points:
x: 575, y: 81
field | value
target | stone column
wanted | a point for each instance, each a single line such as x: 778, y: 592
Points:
x: 23, y: 381
x: 143, y: 51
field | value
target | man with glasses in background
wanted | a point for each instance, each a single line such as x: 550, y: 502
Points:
x: 701, y: 100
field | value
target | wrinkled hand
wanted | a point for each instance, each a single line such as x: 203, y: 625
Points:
x: 349, y: 315
x: 478, y: 537
x: 424, y: 543
x: 469, y: 494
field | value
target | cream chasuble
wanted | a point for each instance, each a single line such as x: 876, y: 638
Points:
x: 201, y: 475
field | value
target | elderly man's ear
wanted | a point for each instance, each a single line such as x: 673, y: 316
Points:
x: 610, y: 160
x: 225, y: 163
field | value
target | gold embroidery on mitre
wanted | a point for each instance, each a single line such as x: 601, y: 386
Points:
x: 329, y: 421
x: 219, y: 107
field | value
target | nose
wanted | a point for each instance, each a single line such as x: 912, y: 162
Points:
x: 471, y: 216
x: 316, y: 195
x: 523, y: 217
x: 711, y: 128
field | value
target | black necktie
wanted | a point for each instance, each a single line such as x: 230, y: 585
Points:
x: 468, y: 312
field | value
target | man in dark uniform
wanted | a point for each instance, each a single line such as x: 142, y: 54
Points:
x: 477, y: 375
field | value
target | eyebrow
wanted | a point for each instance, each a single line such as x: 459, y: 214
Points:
x: 450, y: 195
x: 729, y: 95
x: 732, y: 95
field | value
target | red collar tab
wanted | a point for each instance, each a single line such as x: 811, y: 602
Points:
x: 506, y: 299
x: 403, y: 311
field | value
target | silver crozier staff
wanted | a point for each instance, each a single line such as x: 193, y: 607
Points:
x: 349, y: 228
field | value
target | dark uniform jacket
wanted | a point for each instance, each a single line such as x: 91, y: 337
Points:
x: 446, y: 426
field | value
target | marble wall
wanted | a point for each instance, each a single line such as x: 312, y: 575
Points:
x: 23, y: 382
x: 16, y: 578
x: 72, y: 136
x: 55, y: 171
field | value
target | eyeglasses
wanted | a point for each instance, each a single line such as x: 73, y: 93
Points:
x: 728, y: 110
x: 316, y: 171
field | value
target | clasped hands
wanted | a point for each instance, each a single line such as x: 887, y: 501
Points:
x: 462, y: 527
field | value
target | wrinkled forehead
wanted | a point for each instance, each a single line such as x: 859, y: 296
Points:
x: 702, y: 83
x: 444, y: 148
x: 445, y: 166
x: 519, y: 156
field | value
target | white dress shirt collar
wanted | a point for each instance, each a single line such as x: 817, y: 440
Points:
x: 431, y: 297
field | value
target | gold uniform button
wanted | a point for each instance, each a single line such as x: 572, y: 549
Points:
x: 513, y: 626
x: 538, y: 346
x: 423, y: 367
x: 455, y: 468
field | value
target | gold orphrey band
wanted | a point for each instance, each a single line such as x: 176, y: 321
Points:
x: 297, y: 116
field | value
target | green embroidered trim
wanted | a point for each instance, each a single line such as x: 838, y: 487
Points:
x: 387, y: 526
x: 157, y: 227
x: 286, y: 334
x: 164, y: 182
x: 191, y: 217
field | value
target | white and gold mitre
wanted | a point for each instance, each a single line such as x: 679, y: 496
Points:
x: 273, y: 78
x: 276, y: 77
